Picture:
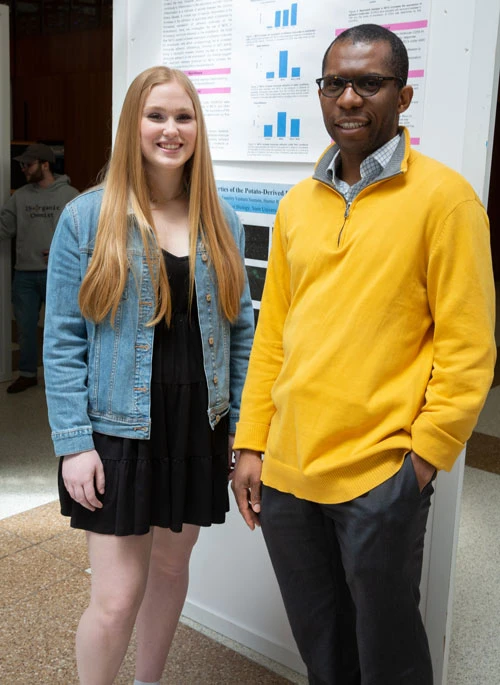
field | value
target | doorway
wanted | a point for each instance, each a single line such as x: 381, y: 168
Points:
x: 61, y: 71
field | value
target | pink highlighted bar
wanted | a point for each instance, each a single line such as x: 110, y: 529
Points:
x: 415, y: 141
x: 403, y: 26
x: 416, y: 73
x: 407, y: 25
x: 207, y: 72
x: 213, y: 91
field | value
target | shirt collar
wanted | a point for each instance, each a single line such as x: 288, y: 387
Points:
x: 382, y: 155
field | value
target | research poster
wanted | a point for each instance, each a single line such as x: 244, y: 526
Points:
x: 254, y: 63
x: 410, y: 21
x: 256, y: 204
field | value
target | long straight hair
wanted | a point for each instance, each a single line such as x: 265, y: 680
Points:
x: 126, y: 192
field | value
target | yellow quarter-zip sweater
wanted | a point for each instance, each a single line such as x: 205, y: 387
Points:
x: 376, y: 330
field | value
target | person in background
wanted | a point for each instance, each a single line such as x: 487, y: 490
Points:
x: 30, y: 215
x: 372, y: 359
x: 149, y: 325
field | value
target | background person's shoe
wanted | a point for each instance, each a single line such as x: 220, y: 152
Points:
x: 21, y: 384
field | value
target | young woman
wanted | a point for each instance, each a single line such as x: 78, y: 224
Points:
x: 147, y: 336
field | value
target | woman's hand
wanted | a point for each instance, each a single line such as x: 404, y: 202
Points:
x: 82, y: 473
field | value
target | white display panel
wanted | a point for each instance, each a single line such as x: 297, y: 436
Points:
x: 233, y: 589
x: 255, y: 62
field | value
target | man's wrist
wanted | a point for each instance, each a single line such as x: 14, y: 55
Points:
x: 252, y: 453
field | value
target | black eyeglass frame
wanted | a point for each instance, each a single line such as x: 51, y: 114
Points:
x: 376, y: 77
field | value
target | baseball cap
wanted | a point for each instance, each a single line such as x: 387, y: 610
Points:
x: 35, y: 152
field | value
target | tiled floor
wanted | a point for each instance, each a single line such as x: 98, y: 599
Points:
x: 45, y: 585
x: 474, y: 652
x: 27, y: 462
x: 474, y: 649
x: 44, y: 591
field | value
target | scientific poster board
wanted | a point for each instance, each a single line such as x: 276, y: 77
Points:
x: 255, y: 63
x: 453, y: 48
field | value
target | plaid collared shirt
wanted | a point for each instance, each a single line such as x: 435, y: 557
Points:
x: 370, y: 169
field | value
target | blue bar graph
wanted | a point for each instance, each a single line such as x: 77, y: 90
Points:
x: 284, y: 18
x: 281, y: 125
x: 283, y: 70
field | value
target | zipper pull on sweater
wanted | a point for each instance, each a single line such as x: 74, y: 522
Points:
x: 346, y: 215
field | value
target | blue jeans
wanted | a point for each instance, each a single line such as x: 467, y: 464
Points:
x: 28, y: 294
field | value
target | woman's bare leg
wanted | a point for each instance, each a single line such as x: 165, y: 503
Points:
x: 163, y: 600
x: 119, y: 574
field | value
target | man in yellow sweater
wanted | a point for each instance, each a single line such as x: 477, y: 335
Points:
x: 372, y: 359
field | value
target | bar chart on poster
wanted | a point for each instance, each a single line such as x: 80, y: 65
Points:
x: 283, y: 71
x: 285, y: 17
x: 255, y: 63
x: 282, y: 130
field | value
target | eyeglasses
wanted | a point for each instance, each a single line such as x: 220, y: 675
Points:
x: 23, y: 165
x: 365, y: 86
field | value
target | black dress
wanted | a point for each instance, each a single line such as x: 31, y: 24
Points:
x: 180, y: 474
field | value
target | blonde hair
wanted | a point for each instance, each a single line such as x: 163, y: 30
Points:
x: 126, y: 189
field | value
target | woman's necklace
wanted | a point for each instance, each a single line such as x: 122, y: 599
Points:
x: 157, y: 204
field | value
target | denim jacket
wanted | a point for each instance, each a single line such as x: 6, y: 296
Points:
x: 97, y: 376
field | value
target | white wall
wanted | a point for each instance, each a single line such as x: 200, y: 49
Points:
x: 5, y: 306
x: 233, y: 591
x: 232, y: 588
x: 461, y: 98
x: 461, y: 87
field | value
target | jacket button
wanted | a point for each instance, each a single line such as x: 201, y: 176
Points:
x: 204, y: 257
x: 208, y: 297
x: 210, y: 340
x: 216, y: 380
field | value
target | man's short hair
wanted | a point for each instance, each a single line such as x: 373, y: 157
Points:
x: 373, y: 33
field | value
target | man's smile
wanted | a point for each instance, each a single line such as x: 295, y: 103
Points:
x: 349, y: 125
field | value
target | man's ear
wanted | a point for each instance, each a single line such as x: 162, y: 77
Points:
x: 405, y: 98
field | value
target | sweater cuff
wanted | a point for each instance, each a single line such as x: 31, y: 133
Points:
x: 251, y: 436
x: 435, y: 445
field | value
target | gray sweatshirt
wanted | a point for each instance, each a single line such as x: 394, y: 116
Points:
x: 31, y: 214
